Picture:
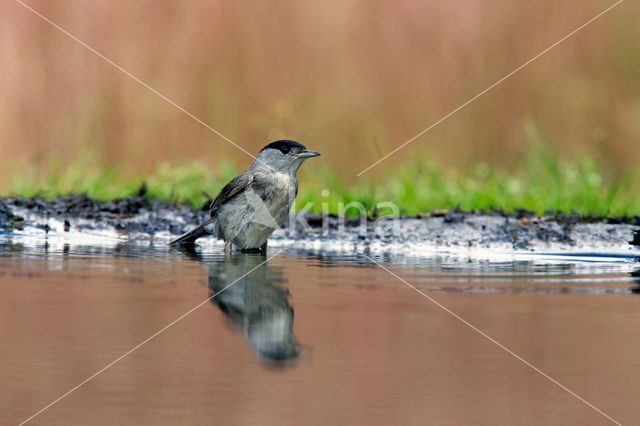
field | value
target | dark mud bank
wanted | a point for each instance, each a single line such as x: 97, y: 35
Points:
x: 141, y: 218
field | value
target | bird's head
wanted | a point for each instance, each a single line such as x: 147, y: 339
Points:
x: 283, y: 156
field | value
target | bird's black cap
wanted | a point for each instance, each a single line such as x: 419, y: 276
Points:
x: 284, y: 146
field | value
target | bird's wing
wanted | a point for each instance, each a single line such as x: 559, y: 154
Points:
x: 230, y: 190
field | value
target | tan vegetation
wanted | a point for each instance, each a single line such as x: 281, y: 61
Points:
x: 352, y: 79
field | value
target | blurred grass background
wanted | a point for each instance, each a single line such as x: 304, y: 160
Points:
x: 352, y: 79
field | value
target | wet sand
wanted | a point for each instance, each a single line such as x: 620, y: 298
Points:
x: 139, y: 218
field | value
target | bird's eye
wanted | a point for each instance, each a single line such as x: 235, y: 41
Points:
x: 285, y: 149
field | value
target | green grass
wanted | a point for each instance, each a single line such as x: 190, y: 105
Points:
x: 543, y: 182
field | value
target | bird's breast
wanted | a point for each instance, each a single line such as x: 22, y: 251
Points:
x: 277, y: 191
x: 263, y: 207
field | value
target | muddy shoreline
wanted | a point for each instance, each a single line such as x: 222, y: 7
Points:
x: 141, y: 218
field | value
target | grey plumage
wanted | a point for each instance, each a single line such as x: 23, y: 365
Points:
x: 257, y: 201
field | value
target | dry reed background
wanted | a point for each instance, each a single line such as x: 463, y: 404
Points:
x: 352, y: 79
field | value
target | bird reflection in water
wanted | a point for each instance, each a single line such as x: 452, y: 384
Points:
x: 250, y: 293
x: 635, y: 278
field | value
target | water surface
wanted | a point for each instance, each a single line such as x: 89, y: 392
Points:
x: 314, y: 337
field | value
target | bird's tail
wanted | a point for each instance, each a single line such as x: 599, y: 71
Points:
x: 191, y: 236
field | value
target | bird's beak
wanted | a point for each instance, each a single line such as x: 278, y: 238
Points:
x: 307, y: 153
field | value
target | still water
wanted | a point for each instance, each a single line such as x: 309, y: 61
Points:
x: 314, y: 338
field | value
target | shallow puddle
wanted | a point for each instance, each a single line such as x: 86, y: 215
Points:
x: 314, y: 338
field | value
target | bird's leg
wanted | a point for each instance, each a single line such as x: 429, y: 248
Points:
x: 263, y: 248
x: 228, y: 246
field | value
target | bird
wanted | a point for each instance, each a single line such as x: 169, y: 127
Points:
x: 257, y: 201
